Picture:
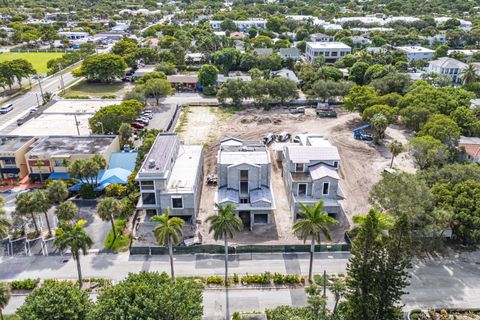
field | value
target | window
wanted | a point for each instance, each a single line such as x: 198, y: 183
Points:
x: 148, y: 198
x: 298, y: 167
x: 147, y: 185
x: 342, y: 53
x: 260, y: 218
x: 177, y: 202
x: 334, y: 53
x: 335, y: 164
x: 243, y: 200
x: 9, y: 161
x: 243, y: 181
x: 302, y: 189
x: 326, y: 187
x: 60, y: 163
x: 327, y: 53
x: 243, y: 175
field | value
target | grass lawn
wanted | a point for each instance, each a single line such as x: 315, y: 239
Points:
x: 122, y: 241
x: 38, y: 59
x: 96, y: 90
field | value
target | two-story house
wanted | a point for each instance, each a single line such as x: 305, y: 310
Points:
x: 449, y: 67
x: 331, y: 51
x: 171, y: 177
x: 244, y: 173
x: 310, y: 172
x: 12, y: 156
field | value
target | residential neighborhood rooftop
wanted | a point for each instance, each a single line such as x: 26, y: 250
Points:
x: 160, y: 153
x: 13, y: 143
x: 67, y: 145
x: 328, y: 45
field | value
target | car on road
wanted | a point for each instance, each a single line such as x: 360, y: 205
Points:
x: 33, y: 110
x: 6, y: 108
x: 145, y: 121
x: 137, y: 125
x: 299, y: 110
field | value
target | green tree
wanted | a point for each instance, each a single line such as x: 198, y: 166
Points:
x: 443, y: 128
x: 108, y: 209
x: 124, y: 46
x: 428, y: 152
x: 103, y: 67
x: 395, y: 147
x: 224, y: 225
x: 57, y: 191
x: 25, y: 206
x: 41, y: 204
x: 375, y: 71
x: 75, y: 238
x: 4, y: 223
x: 150, y: 295
x: 56, y: 300
x: 469, y: 75
x: 168, y: 232
x: 389, y: 112
x: 66, y: 211
x: 357, y: 72
x: 226, y: 59
x: 228, y: 25
x: 5, y: 295
x: 360, y: 97
x: 124, y: 134
x: 441, y: 51
x: 282, y: 89
x: 158, y: 88
x: 392, y: 82
x: 379, y: 124
x: 108, y: 119
x: 235, y: 89
x: 314, y: 223
x: 207, y: 75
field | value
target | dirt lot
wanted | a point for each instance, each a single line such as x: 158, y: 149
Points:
x: 360, y: 168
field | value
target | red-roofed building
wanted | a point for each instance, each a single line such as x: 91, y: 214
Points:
x: 471, y: 148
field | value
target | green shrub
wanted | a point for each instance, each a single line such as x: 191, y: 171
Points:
x: 87, y: 191
x: 76, y: 97
x: 264, y: 278
x: 218, y: 280
x: 109, y: 96
x: 289, y: 279
x: 235, y: 278
x: 25, y: 284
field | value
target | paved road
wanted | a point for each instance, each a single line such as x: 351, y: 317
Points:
x: 23, y: 103
x: 439, y: 282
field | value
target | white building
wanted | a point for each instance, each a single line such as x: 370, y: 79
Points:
x: 242, y: 25
x: 414, y: 53
x: 467, y: 53
x: 73, y: 35
x: 320, y: 37
x: 447, y: 67
x: 332, y: 51
x: 440, y: 38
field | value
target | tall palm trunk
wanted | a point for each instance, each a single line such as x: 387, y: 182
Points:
x: 48, y: 224
x: 225, y: 239
x: 79, y: 271
x: 35, y: 223
x: 113, y: 228
x: 170, y: 253
x: 391, y: 163
x: 312, y: 250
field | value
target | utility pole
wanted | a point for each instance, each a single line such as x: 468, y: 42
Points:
x: 40, y: 85
x: 76, y: 124
x: 61, y: 78
x: 38, y: 101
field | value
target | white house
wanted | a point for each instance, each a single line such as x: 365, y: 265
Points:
x: 448, y: 67
x: 415, y: 53
x: 73, y: 35
x: 332, y: 51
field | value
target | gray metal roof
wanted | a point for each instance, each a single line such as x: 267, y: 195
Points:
x: 261, y: 194
x: 227, y: 195
x: 12, y: 143
x: 67, y: 145
x: 305, y: 154
x: 161, y: 152
x: 322, y: 170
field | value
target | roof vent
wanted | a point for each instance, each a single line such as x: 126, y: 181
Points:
x: 151, y: 163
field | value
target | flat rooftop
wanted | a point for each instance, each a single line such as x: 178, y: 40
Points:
x: 13, y: 143
x: 79, y: 106
x: 305, y: 154
x: 185, y: 169
x: 161, y: 152
x: 414, y: 49
x: 328, y: 45
x: 55, y: 125
x: 235, y: 151
x: 69, y: 145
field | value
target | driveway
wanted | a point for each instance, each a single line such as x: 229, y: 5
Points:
x: 95, y: 227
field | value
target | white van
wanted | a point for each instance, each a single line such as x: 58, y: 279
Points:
x: 6, y: 108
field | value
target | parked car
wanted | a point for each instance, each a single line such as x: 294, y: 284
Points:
x: 300, y: 110
x: 269, y: 138
x: 148, y: 115
x: 142, y: 120
x: 137, y: 125
x: 284, y: 136
x: 33, y: 110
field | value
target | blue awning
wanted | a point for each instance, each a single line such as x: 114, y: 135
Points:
x: 59, y: 176
x: 102, y: 186
x: 75, y: 187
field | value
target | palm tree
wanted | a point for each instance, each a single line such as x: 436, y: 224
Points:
x: 25, y: 206
x: 75, y: 238
x: 385, y: 222
x: 395, y: 147
x: 4, y: 223
x: 224, y: 225
x: 5, y: 294
x: 42, y: 204
x: 39, y: 164
x: 315, y: 222
x: 108, y: 209
x: 57, y: 191
x: 167, y: 233
x: 66, y: 211
x: 469, y: 75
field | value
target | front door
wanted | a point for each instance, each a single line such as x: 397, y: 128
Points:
x: 245, y: 217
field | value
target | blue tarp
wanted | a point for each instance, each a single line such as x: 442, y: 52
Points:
x: 75, y: 187
x: 59, y: 176
x: 102, y: 186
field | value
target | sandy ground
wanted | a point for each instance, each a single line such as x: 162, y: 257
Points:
x: 361, y: 162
